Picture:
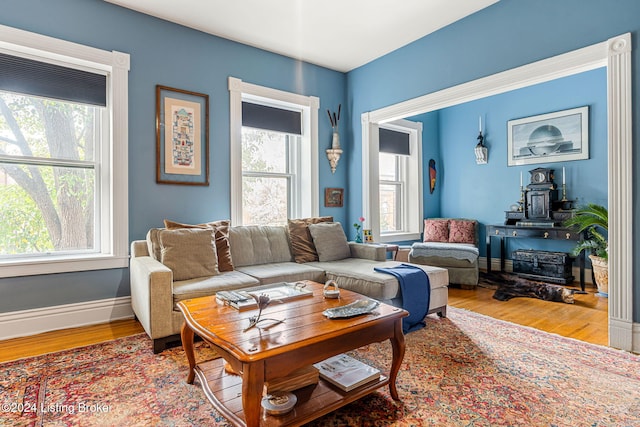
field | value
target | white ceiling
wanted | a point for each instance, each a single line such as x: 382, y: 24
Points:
x: 337, y: 34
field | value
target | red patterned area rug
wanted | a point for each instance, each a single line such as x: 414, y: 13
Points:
x: 466, y: 370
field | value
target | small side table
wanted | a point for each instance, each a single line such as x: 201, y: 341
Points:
x: 393, y: 249
x: 403, y: 254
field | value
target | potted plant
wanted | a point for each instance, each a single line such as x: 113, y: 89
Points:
x: 593, y: 220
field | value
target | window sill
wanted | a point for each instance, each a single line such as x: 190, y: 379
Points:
x: 36, y: 266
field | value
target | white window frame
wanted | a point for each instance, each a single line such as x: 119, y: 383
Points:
x: 111, y: 174
x: 412, y: 209
x: 307, y: 192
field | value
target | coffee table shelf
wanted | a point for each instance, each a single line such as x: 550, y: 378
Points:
x: 223, y: 391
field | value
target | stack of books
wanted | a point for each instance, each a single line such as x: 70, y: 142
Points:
x: 297, y: 379
x: 242, y: 300
x: 346, y: 373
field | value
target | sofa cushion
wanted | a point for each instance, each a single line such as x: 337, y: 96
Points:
x: 444, y: 262
x: 330, y: 241
x: 462, y: 231
x: 436, y: 230
x: 302, y: 245
x: 259, y: 244
x: 206, y: 286
x: 358, y: 275
x: 223, y: 250
x: 464, y: 251
x: 283, y: 272
x: 189, y: 252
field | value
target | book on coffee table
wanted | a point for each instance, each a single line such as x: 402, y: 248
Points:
x: 284, y: 291
x: 346, y: 372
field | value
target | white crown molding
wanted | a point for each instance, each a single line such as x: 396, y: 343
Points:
x: 35, y: 321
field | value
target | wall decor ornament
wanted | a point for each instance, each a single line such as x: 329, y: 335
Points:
x: 553, y: 137
x: 182, y: 137
x: 432, y: 175
x: 334, y: 153
x: 333, y: 197
x: 481, y: 151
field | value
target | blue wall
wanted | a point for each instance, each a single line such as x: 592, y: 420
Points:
x: 484, y: 192
x: 172, y: 55
x: 506, y: 35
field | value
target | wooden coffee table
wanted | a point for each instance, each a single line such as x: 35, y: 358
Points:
x: 305, y: 337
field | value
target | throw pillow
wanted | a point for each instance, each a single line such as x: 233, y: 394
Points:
x: 153, y: 243
x: 462, y: 231
x: 225, y: 262
x: 330, y: 241
x: 302, y: 245
x: 189, y: 252
x: 436, y: 230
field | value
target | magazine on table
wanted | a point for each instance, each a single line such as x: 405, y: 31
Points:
x: 284, y: 291
x: 346, y: 372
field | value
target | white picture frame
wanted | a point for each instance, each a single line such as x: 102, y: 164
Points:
x: 546, y: 138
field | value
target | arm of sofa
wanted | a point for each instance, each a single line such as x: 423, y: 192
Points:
x: 151, y: 295
x: 139, y: 248
x: 368, y: 251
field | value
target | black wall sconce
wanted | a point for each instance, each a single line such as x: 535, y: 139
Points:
x: 482, y: 152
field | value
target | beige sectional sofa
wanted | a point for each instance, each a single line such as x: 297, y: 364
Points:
x: 260, y: 255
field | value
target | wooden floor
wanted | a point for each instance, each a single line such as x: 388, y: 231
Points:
x: 585, y: 320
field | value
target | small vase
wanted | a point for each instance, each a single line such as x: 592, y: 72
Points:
x: 335, y: 144
x: 358, y: 237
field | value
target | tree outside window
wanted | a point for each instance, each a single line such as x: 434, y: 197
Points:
x: 47, y: 175
x: 268, y: 176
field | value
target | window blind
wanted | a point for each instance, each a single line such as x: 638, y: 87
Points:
x: 31, y: 77
x: 394, y: 142
x: 271, y: 118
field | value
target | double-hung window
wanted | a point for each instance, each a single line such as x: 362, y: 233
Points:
x: 271, y: 138
x: 273, y: 155
x: 63, y: 144
x: 392, y: 187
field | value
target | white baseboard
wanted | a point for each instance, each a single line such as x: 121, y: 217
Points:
x: 35, y: 321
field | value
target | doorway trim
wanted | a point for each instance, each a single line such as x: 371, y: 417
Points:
x: 615, y: 55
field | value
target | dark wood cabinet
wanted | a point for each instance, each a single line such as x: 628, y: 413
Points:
x: 540, y: 203
x: 503, y: 232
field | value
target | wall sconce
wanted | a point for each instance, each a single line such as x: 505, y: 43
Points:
x: 482, y: 152
x: 333, y: 155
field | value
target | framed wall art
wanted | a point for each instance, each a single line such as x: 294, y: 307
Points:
x: 333, y: 197
x: 553, y: 137
x: 182, y: 137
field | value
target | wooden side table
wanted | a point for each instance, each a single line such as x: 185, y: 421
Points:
x: 393, y: 249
